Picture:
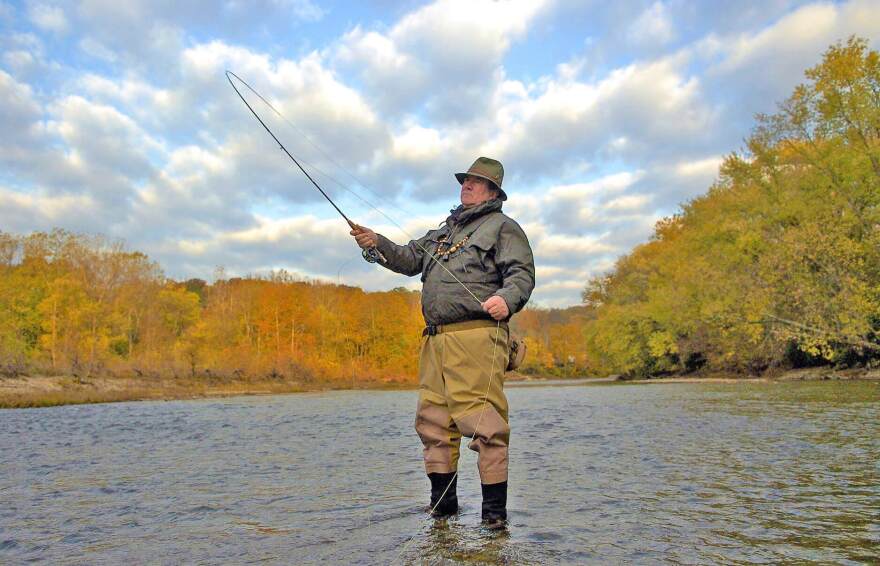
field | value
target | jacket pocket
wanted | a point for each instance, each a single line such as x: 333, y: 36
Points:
x: 429, y: 262
x: 474, y: 261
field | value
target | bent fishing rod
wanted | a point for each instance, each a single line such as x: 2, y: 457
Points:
x: 372, y: 255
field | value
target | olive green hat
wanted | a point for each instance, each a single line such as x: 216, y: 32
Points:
x: 489, y: 169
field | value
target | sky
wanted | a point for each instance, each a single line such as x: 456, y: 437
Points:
x: 118, y: 120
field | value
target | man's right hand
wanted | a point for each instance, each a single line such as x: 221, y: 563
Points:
x: 365, y: 237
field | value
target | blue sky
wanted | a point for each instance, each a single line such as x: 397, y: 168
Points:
x: 607, y: 116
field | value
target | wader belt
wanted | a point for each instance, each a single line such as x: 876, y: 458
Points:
x: 434, y: 329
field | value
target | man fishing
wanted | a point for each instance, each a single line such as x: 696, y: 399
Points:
x: 477, y: 271
x: 476, y: 268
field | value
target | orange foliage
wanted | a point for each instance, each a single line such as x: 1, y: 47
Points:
x: 83, y: 305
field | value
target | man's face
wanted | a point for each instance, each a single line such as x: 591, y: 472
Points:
x: 475, y: 190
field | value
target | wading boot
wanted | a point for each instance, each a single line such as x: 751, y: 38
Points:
x: 448, y: 505
x: 495, y: 505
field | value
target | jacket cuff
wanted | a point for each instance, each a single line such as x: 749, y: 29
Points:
x: 386, y: 248
x: 508, y: 298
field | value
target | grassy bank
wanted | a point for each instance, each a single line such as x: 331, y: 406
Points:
x: 48, y: 391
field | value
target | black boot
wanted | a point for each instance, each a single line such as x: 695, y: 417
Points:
x: 448, y: 505
x: 495, y: 505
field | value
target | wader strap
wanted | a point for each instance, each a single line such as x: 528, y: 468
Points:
x: 434, y: 329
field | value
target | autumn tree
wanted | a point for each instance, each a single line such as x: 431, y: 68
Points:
x: 779, y: 262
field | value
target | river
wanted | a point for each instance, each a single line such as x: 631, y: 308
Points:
x: 632, y: 474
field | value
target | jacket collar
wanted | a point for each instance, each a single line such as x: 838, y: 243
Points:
x: 461, y: 215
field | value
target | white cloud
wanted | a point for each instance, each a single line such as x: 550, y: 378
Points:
x: 439, y: 49
x: 24, y: 56
x: 417, y: 143
x: 628, y: 203
x: 566, y: 286
x: 270, y: 231
x: 578, y: 230
x: 302, y: 9
x: 557, y: 246
x: 19, y: 109
x: 143, y: 101
x: 18, y: 60
x: 307, y: 245
x: 653, y: 26
x: 49, y: 18
x: 705, y: 168
x: 630, y: 114
x: 97, y: 49
x: 804, y: 26
x: 27, y: 212
x: 104, y: 138
x: 307, y: 93
x: 770, y: 61
x: 610, y: 183
x: 385, y: 59
x: 545, y: 272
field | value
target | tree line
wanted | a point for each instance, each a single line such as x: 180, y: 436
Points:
x: 85, y: 305
x: 73, y: 303
x: 778, y: 264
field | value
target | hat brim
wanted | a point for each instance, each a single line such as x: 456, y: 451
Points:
x: 460, y: 177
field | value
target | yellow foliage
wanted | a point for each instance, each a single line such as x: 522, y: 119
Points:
x: 788, y: 233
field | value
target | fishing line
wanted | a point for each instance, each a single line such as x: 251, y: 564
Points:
x: 281, y: 145
x: 323, y: 152
x: 229, y: 75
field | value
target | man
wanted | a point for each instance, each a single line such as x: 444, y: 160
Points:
x: 477, y: 271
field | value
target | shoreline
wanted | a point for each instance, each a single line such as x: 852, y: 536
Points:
x: 778, y: 376
x: 50, y: 391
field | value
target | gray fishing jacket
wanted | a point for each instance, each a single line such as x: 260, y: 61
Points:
x: 496, y: 259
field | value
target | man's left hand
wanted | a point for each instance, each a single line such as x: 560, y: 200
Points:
x: 496, y: 307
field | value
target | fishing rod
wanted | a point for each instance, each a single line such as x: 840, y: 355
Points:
x: 372, y: 255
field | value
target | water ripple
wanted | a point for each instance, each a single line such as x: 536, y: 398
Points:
x: 684, y: 474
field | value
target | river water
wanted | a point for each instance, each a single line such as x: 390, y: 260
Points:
x: 602, y: 474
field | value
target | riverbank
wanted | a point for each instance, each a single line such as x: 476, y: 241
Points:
x: 802, y: 374
x: 48, y: 391
x: 779, y: 375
